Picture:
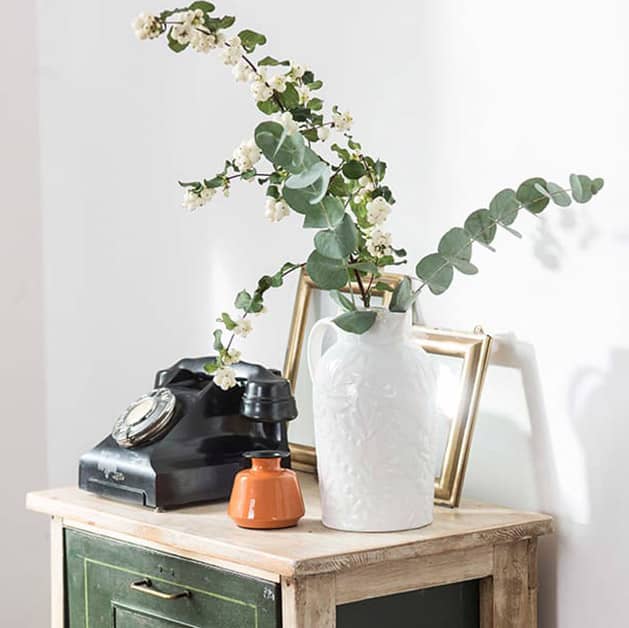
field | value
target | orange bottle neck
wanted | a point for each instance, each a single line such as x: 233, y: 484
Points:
x: 266, y: 464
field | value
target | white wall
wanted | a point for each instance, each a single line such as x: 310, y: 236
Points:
x: 23, y: 536
x: 461, y: 98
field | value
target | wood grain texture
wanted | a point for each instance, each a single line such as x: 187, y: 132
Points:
x: 414, y: 573
x: 57, y: 575
x: 511, y: 586
x: 486, y: 602
x: 309, y: 602
x: 308, y: 549
x: 533, y: 585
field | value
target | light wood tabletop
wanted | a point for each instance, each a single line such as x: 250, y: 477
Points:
x: 308, y: 549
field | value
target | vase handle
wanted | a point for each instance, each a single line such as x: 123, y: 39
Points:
x: 315, y: 342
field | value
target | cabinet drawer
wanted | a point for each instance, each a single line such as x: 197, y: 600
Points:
x: 100, y: 574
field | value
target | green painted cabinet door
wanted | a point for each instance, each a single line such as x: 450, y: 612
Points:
x: 113, y: 584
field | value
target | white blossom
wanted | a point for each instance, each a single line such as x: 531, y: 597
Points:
x: 366, y: 183
x: 260, y: 90
x: 194, y: 199
x: 242, y: 72
x: 278, y: 83
x: 297, y: 70
x: 378, y: 211
x: 342, y: 121
x: 323, y: 133
x: 276, y: 210
x: 379, y: 243
x: 304, y: 93
x: 247, y: 155
x: 243, y: 327
x: 202, y: 42
x: 231, y: 357
x: 147, y: 26
x: 182, y: 33
x: 288, y: 122
x: 233, y: 51
x: 225, y: 377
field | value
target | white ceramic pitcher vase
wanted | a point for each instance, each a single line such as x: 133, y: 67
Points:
x: 374, y: 416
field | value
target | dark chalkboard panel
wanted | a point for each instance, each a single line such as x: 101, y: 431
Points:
x: 451, y: 606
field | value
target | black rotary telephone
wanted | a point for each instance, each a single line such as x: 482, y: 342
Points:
x: 183, y: 442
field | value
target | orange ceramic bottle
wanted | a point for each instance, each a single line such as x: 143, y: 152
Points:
x: 267, y: 495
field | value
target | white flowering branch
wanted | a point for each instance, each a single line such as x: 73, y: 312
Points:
x: 347, y: 201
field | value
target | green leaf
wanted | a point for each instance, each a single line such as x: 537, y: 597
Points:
x: 272, y: 61
x: 402, y: 297
x: 381, y: 169
x: 174, y: 45
x: 504, y: 207
x: 356, y: 322
x: 581, y: 186
x: 339, y: 242
x: 280, y: 148
x: 290, y: 96
x: 219, y: 23
x: 243, y: 300
x: 327, y: 273
x: 381, y: 286
x: 326, y: 213
x: 597, y: 185
x: 269, y: 106
x: 206, y: 7
x: 338, y: 186
x: 353, y: 169
x: 226, y: 319
x: 343, y: 153
x: 436, y: 272
x: 342, y: 300
x: 308, y: 77
x: 316, y: 104
x: 251, y: 39
x: 480, y: 227
x: 218, y: 342
x: 456, y: 247
x: 210, y: 367
x: 530, y: 197
x: 312, y: 181
x: 558, y: 195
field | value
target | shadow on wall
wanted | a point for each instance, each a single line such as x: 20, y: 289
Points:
x: 599, y: 403
x: 511, y: 353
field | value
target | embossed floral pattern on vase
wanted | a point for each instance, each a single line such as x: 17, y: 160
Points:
x: 374, y: 429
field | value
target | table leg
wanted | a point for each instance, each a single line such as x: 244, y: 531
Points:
x: 509, y: 597
x: 309, y: 602
x: 57, y: 575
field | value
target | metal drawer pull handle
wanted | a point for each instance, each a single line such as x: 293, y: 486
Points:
x: 146, y: 586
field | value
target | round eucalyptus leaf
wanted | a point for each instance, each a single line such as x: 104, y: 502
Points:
x: 327, y: 273
x: 312, y: 181
x: 558, y: 195
x: 530, y: 197
x: 436, y: 272
x: 504, y: 207
x: 581, y: 186
x: 481, y: 227
x: 339, y: 242
x: 402, y: 297
x: 456, y: 247
x: 353, y: 169
x: 357, y: 322
x: 297, y: 200
x: 279, y: 147
x: 328, y: 212
x: 597, y: 185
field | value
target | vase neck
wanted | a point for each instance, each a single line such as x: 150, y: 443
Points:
x: 389, y: 327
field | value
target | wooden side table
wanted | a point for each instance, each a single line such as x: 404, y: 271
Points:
x: 113, y: 563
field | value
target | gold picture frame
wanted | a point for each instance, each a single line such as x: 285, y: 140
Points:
x: 472, y: 348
